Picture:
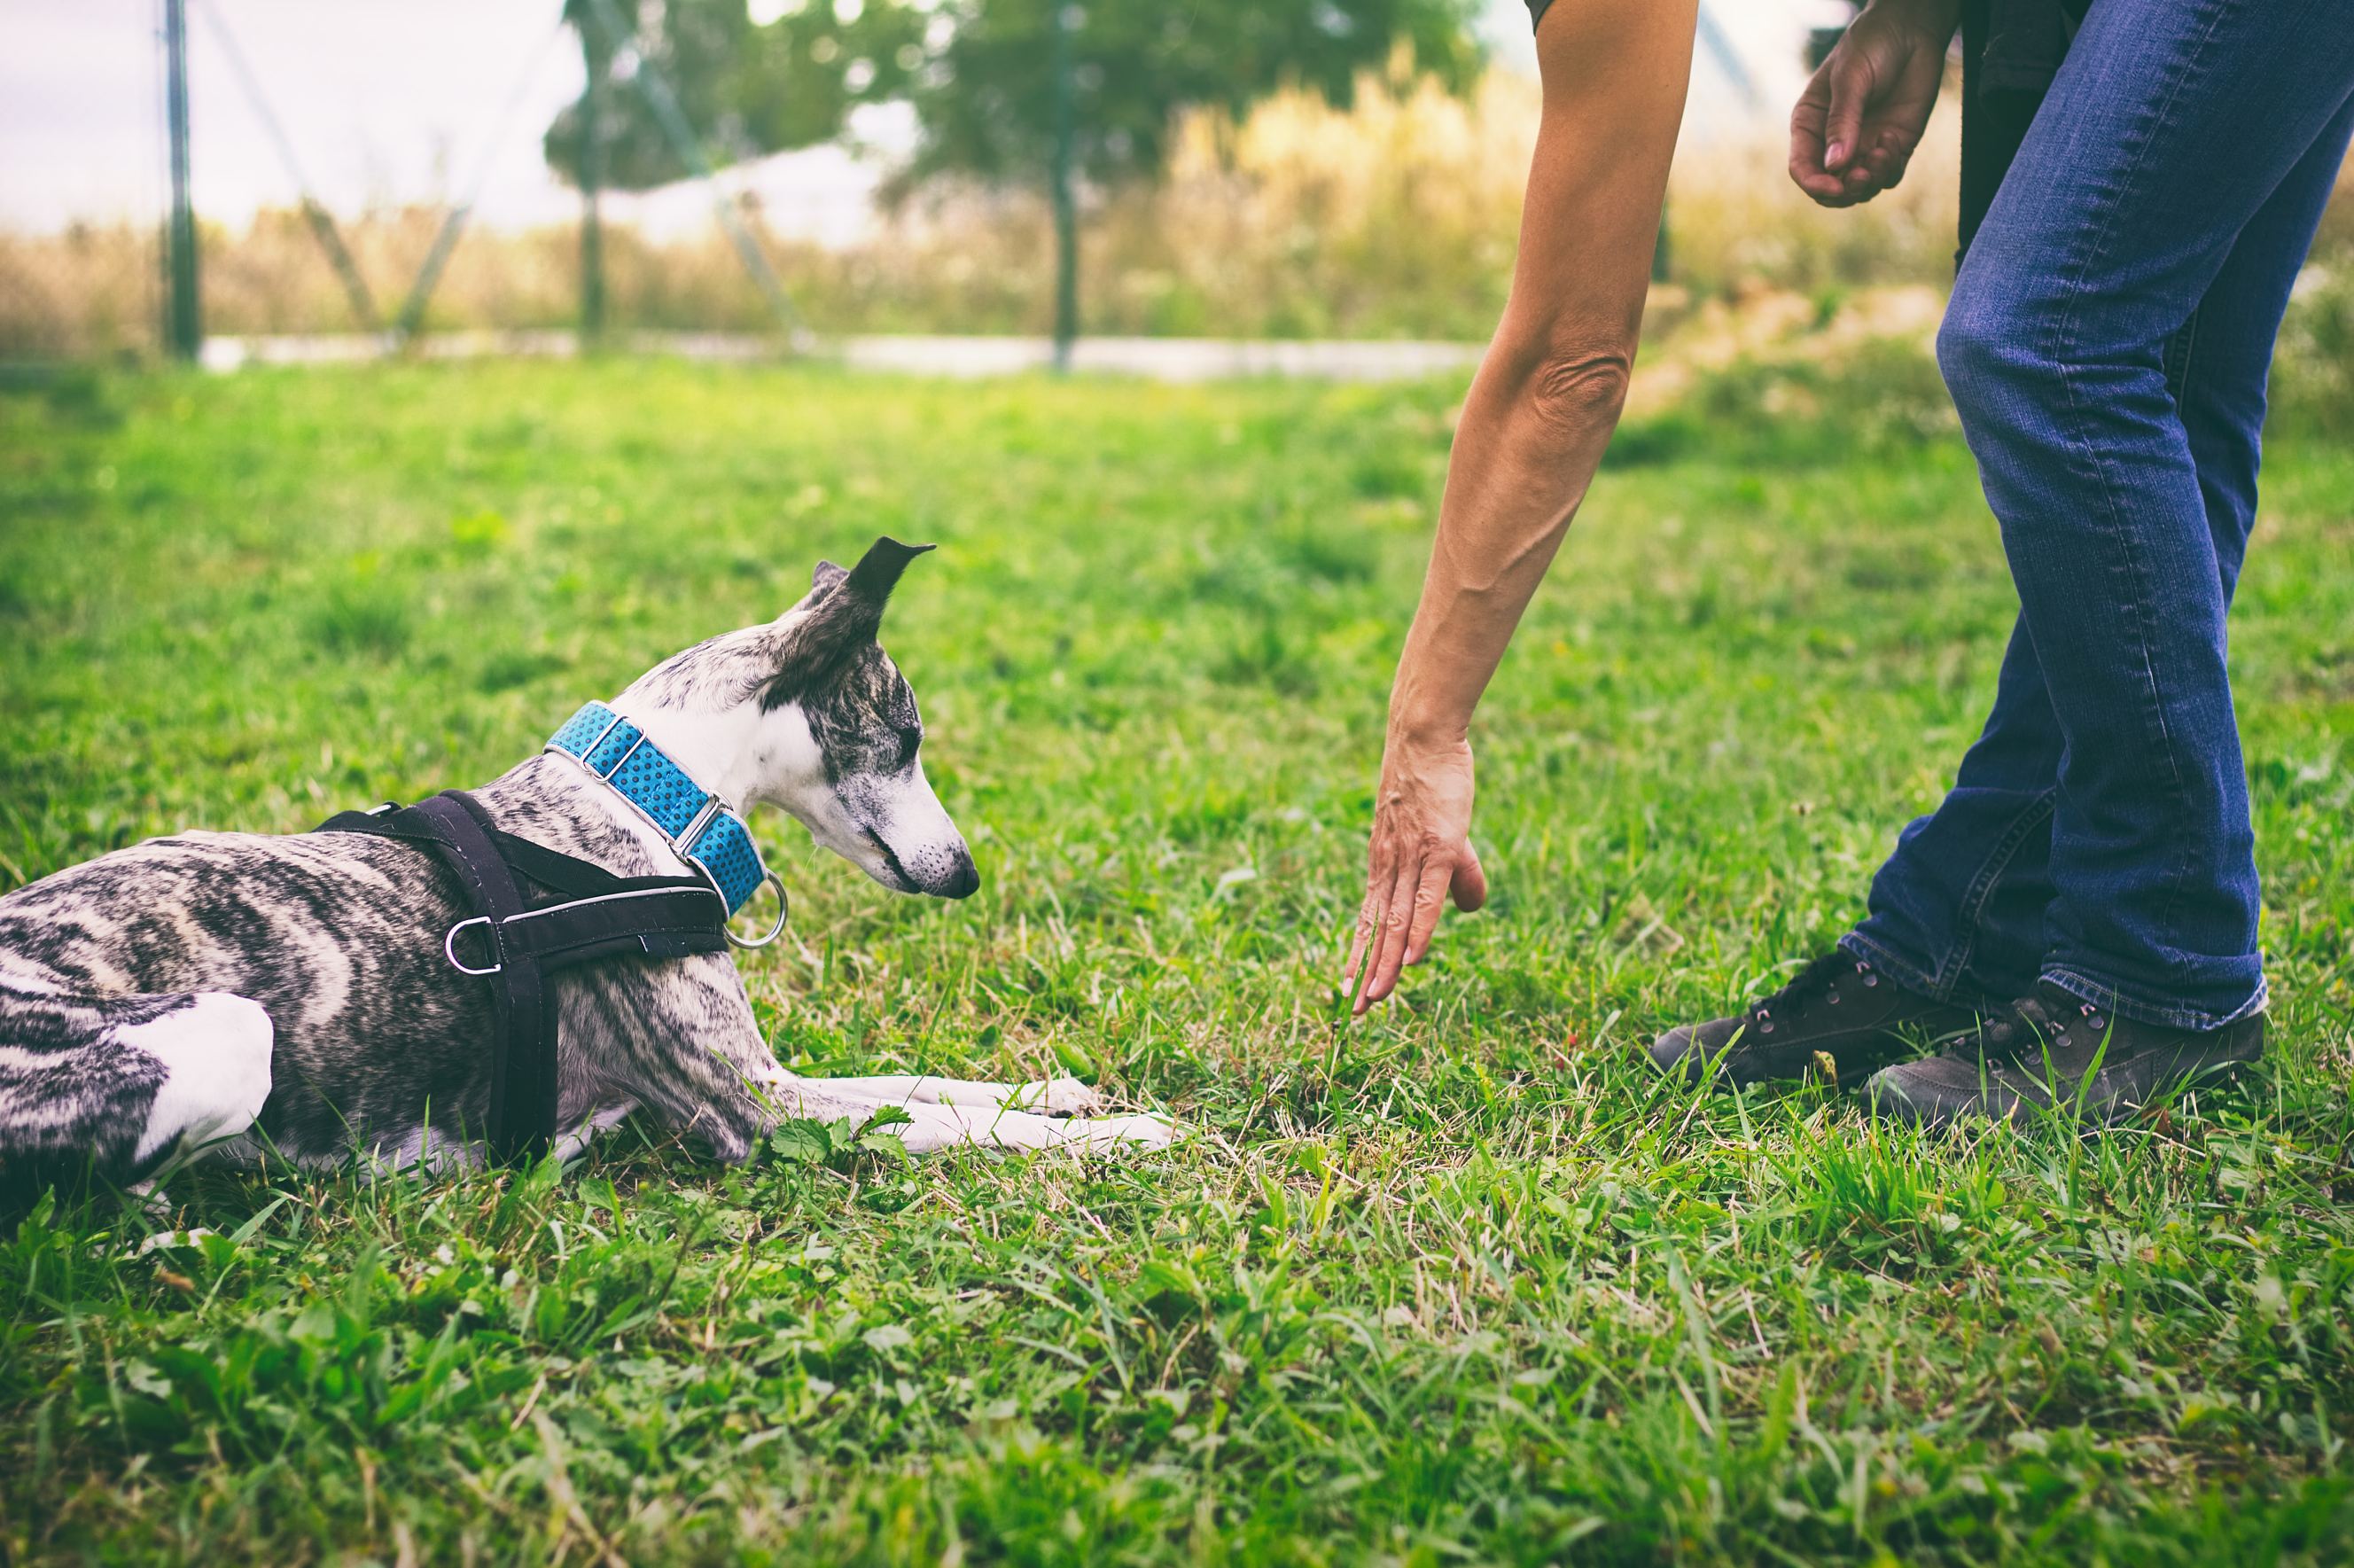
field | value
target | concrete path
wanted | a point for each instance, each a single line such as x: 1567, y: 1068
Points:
x: 1176, y: 359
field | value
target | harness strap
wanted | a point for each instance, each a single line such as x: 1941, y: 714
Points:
x: 601, y: 916
x: 522, y: 1061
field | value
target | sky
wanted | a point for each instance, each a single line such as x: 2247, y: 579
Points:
x: 402, y: 100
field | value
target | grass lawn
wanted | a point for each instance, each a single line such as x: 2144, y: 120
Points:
x: 1461, y: 1281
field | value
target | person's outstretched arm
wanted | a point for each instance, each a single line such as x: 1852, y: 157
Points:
x: 1539, y: 413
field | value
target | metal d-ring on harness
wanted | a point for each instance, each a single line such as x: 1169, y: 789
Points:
x: 576, y: 911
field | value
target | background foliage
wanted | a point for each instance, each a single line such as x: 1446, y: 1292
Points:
x: 979, y: 74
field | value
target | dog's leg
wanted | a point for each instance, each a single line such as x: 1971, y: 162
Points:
x: 937, y: 1126
x: 216, y: 1058
x: 121, y: 1085
x: 933, y: 1126
x: 1053, y: 1096
x: 688, y: 1049
x: 570, y: 1145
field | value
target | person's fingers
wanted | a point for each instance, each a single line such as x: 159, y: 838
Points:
x: 1852, y: 80
x: 1389, y: 951
x: 1380, y: 874
x: 1807, y: 116
x: 1374, y: 923
x: 1879, y: 171
x: 1895, y: 155
x: 1882, y: 150
x: 1469, y: 882
x: 1368, y: 921
x: 1429, y: 900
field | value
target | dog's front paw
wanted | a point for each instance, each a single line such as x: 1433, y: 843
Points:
x: 1058, y: 1096
x: 1101, y: 1132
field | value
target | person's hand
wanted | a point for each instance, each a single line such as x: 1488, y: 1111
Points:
x: 1861, y: 115
x: 1421, y: 852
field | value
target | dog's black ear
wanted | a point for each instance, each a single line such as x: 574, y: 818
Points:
x: 878, y: 570
x: 841, y: 616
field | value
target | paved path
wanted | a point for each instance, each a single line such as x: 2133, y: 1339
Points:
x: 1153, y: 358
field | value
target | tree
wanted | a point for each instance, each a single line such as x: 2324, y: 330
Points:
x: 987, y: 105
x: 979, y: 74
x: 747, y: 90
x: 1008, y: 91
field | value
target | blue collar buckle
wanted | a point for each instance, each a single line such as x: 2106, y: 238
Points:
x: 703, y: 830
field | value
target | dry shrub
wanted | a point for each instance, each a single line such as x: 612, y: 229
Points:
x: 1396, y: 216
x: 1736, y: 222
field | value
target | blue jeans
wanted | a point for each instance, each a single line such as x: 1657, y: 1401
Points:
x: 2107, y: 347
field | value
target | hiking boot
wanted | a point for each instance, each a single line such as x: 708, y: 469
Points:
x: 2054, y: 1049
x: 1838, y: 1006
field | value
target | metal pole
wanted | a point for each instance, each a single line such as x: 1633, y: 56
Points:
x: 670, y: 120
x: 183, y: 326
x: 592, y: 177
x: 1066, y: 221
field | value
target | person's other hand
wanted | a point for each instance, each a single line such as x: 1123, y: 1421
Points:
x: 1421, y: 850
x: 1857, y: 123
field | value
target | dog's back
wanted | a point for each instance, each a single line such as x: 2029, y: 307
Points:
x: 152, y: 991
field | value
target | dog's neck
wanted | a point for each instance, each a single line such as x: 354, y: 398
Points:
x: 721, y: 752
x: 742, y: 755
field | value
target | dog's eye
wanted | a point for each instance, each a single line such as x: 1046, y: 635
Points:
x: 908, y: 740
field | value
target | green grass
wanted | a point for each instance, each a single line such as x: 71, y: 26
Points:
x: 1461, y: 1281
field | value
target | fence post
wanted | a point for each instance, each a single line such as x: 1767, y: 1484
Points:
x: 1067, y: 224
x: 592, y: 178
x: 184, y: 329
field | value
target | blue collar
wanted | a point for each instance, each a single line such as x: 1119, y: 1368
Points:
x: 702, y: 829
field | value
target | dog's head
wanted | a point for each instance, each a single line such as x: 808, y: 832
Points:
x: 809, y: 714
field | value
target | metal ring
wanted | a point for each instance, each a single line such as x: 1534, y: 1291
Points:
x: 449, y: 947
x: 784, y: 912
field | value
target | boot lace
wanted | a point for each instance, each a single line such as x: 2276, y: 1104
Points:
x: 1816, y: 986
x: 2050, y: 1017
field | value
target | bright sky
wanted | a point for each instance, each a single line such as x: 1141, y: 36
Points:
x: 397, y: 100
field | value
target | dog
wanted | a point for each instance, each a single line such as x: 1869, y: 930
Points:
x: 250, y: 995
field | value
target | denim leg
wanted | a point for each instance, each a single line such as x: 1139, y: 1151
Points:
x: 1960, y: 908
x: 2219, y: 364
x: 2172, y: 126
x: 1957, y: 912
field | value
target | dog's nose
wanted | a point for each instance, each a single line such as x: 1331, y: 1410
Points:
x: 964, y: 878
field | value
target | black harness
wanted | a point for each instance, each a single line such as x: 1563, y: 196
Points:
x: 539, y: 911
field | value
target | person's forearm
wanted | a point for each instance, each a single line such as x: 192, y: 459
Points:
x: 1532, y: 433
x: 1547, y: 396
x: 1539, y: 413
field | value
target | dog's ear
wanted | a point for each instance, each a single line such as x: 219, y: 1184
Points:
x: 870, y: 582
x: 842, y: 615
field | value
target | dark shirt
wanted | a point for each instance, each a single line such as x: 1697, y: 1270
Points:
x: 2010, y: 52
